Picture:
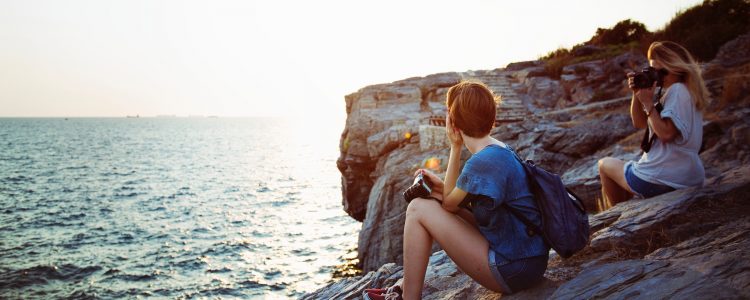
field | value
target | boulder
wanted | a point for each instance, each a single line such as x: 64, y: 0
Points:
x: 713, y: 266
x: 544, y: 92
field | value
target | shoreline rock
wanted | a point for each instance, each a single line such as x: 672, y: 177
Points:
x: 680, y: 243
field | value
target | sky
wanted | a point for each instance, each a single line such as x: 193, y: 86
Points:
x: 269, y: 58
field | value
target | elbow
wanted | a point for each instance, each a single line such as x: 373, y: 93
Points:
x: 668, y: 137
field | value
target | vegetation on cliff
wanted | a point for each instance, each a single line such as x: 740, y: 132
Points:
x: 702, y: 29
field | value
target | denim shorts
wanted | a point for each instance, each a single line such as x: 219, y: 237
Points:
x: 644, y: 188
x: 517, y: 275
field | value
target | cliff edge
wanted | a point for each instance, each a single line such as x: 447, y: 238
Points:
x: 690, y: 242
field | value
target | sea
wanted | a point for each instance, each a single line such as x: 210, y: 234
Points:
x: 175, y: 208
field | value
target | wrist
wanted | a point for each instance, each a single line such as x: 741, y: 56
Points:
x: 648, y: 110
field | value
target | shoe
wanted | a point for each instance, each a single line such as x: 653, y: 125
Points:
x: 391, y: 293
x: 376, y: 291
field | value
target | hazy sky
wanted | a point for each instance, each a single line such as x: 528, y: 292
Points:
x: 269, y: 58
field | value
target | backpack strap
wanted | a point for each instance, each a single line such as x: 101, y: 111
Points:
x: 531, y: 228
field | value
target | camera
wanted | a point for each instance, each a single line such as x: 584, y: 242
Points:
x: 646, y: 78
x: 420, y: 188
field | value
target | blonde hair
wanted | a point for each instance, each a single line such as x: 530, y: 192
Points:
x: 676, y: 59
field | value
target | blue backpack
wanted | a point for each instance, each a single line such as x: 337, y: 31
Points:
x: 565, y: 223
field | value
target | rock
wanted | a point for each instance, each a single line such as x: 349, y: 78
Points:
x: 543, y: 91
x: 389, y: 139
x: 432, y: 138
x: 698, y: 240
x: 516, y: 66
x: 710, y: 266
x: 734, y: 53
x: 381, y: 236
x: 352, y: 288
x: 378, y: 118
x: 674, y: 216
x: 681, y: 244
x: 523, y: 74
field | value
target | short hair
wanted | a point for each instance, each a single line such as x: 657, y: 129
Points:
x: 472, y: 107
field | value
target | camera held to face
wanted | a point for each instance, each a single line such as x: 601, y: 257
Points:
x: 421, y: 188
x: 646, y: 78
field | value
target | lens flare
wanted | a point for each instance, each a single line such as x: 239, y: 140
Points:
x: 432, y: 163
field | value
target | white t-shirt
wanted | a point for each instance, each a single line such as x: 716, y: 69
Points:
x: 676, y: 163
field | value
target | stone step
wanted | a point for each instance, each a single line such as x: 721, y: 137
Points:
x: 511, y: 109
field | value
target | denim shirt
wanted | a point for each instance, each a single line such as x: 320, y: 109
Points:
x: 494, y: 176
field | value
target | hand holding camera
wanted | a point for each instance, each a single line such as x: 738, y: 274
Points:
x: 647, y: 78
x: 425, y: 185
x: 644, y: 82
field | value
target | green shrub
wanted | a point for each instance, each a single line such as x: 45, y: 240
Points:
x: 624, y: 32
x: 704, y: 28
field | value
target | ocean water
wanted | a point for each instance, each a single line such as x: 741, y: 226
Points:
x: 169, y: 208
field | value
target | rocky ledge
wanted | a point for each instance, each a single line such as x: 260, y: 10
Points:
x: 687, y: 243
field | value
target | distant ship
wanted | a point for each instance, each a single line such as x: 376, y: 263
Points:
x: 136, y: 116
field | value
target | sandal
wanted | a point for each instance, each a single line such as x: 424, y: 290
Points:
x: 391, y: 293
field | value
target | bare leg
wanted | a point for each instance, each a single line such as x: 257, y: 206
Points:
x: 615, y: 188
x: 464, y: 244
x: 468, y: 217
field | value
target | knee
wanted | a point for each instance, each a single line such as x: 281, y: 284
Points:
x: 417, y: 207
x: 603, y: 164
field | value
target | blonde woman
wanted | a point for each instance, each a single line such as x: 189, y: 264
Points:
x: 674, y: 125
x: 488, y: 243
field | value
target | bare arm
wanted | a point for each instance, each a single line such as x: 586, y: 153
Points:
x: 637, y: 114
x: 663, y: 128
x: 636, y: 108
x: 452, y: 196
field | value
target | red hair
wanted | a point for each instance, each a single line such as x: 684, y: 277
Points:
x: 472, y: 108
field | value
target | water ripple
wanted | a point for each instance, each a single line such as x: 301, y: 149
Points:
x: 168, y: 208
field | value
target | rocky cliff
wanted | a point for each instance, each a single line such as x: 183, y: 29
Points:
x: 688, y: 242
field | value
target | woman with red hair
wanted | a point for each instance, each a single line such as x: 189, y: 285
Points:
x: 488, y: 243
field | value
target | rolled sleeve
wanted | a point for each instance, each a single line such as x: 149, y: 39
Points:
x: 475, y: 179
x: 679, y: 108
